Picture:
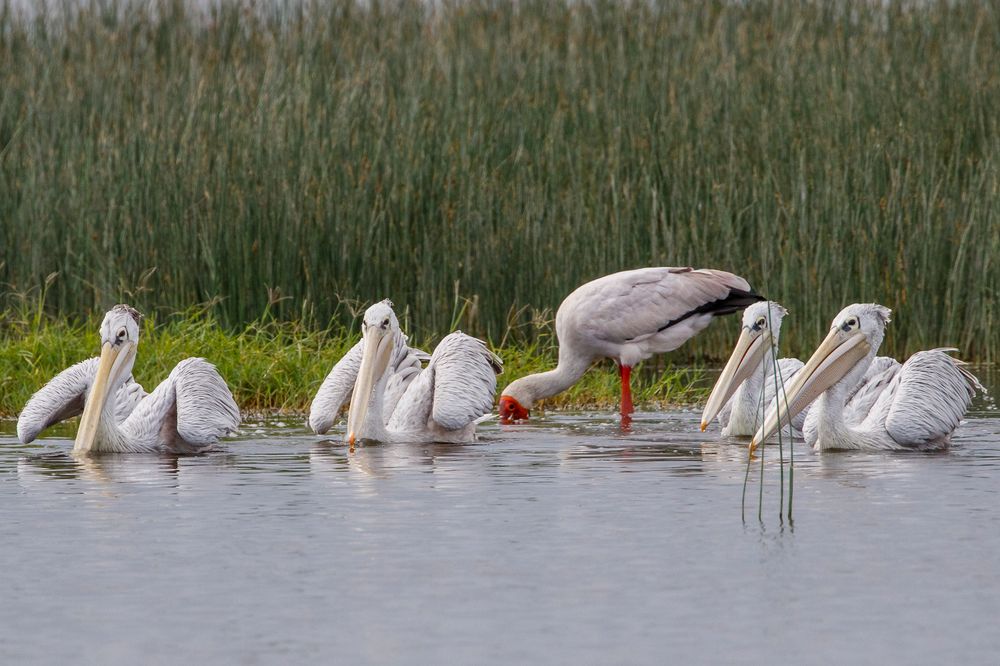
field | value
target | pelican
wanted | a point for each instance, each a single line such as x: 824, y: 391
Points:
x: 920, y: 405
x: 628, y: 317
x: 748, y: 384
x: 187, y: 412
x: 393, y: 399
x: 405, y: 364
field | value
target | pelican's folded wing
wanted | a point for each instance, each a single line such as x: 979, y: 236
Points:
x: 62, y: 398
x: 465, y: 380
x: 407, y: 364
x: 927, y: 399
x: 206, y: 409
x: 336, y: 390
x: 877, y: 378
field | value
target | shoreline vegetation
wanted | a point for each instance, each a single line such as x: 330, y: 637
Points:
x: 275, y: 367
x: 475, y: 161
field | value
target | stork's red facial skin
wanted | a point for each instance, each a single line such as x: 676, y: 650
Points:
x: 511, y: 410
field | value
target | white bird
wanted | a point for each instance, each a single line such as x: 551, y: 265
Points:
x: 920, y: 406
x: 628, y: 317
x: 394, y: 399
x: 335, y: 392
x: 747, y: 386
x: 187, y: 412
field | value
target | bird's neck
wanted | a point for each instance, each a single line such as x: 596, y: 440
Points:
x: 547, y: 384
x: 748, y: 408
x: 828, y: 429
x: 110, y: 438
x: 374, y: 425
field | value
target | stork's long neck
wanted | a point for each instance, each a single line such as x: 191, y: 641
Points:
x: 547, y: 384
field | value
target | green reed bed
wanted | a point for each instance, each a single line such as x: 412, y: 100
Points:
x: 496, y: 154
x: 276, y: 366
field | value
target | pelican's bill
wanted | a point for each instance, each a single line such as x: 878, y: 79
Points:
x: 833, y: 359
x: 377, y: 353
x: 113, y: 359
x: 746, y: 356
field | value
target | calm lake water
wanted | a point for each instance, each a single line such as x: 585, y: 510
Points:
x: 560, y: 542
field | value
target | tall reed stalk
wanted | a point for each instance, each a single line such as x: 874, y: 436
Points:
x: 292, y: 155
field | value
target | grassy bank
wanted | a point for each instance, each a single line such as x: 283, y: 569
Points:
x: 477, y: 160
x: 273, y: 366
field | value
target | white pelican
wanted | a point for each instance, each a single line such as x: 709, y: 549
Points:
x: 921, y: 404
x: 393, y: 399
x: 746, y: 388
x: 336, y: 390
x: 187, y: 412
x: 748, y: 383
x: 628, y: 317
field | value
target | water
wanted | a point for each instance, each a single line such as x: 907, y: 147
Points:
x: 560, y: 542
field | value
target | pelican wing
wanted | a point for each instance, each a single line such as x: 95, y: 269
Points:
x: 456, y: 388
x: 633, y: 305
x: 335, y: 391
x: 206, y: 409
x: 927, y: 399
x: 465, y: 380
x: 191, y: 409
x: 64, y: 397
x: 406, y: 367
x: 877, y: 378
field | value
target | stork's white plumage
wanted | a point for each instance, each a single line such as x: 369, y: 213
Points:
x: 393, y: 399
x: 918, y: 406
x: 628, y: 317
x: 187, y: 412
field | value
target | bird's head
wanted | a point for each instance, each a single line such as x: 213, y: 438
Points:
x: 120, y: 326
x: 761, y: 328
x: 119, y: 339
x: 378, y: 332
x: 843, y: 356
x: 510, y: 408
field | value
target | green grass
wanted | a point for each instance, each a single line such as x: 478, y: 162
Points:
x: 476, y: 161
x: 275, y: 366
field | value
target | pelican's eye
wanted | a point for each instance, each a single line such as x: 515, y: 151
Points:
x: 121, y: 335
x: 385, y: 323
x: 762, y: 322
x: 851, y: 324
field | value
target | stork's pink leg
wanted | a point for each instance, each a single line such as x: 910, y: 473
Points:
x: 626, y: 376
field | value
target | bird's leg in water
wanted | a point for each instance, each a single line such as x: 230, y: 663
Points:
x: 626, y: 376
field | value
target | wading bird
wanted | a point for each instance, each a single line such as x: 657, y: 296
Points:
x: 187, y: 412
x: 394, y: 399
x: 746, y: 389
x: 921, y: 404
x: 628, y: 317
